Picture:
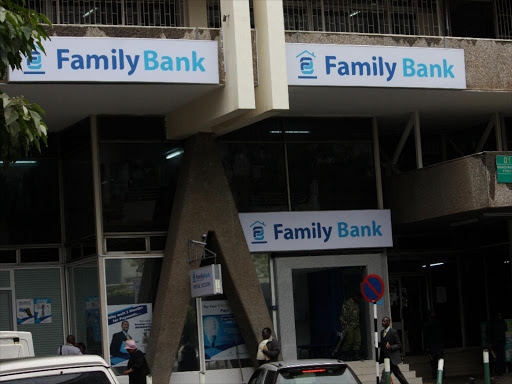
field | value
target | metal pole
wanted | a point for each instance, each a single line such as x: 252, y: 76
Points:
x: 417, y: 140
x: 440, y: 369
x: 487, y: 372
x: 376, y: 342
x: 376, y: 161
x: 387, y: 371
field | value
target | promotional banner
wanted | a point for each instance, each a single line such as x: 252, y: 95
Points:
x: 128, y: 322
x: 222, y: 337
x: 92, y: 319
x: 291, y: 231
x: 42, y: 310
x: 375, y: 66
x: 25, y: 311
x: 103, y: 59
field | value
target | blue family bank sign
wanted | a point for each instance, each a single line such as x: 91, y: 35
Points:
x: 375, y: 66
x: 293, y: 231
x: 99, y: 59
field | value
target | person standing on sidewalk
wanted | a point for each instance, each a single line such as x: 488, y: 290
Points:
x: 390, y: 348
x: 137, y: 368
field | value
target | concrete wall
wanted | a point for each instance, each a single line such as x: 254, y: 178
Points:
x: 487, y: 61
x: 453, y: 187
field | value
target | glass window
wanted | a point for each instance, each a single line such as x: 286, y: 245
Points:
x: 339, y: 374
x: 224, y: 346
x: 85, y: 306
x: 29, y: 197
x: 257, y: 175
x: 60, y: 378
x: 187, y: 358
x: 77, y: 181
x: 261, y: 263
x: 131, y: 293
x: 138, y: 182
x: 331, y: 176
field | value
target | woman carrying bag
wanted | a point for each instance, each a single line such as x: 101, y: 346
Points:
x: 137, y: 368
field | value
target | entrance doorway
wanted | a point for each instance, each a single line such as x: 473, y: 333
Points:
x: 318, y: 296
x: 310, y: 292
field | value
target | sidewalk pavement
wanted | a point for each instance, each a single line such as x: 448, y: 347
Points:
x: 503, y: 379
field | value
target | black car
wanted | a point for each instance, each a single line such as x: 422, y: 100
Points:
x: 312, y: 371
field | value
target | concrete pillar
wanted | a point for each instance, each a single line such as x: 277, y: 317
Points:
x: 203, y: 203
x: 197, y: 15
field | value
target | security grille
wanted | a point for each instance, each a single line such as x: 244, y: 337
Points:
x: 213, y: 13
x: 503, y: 10
x: 150, y: 13
x: 406, y: 17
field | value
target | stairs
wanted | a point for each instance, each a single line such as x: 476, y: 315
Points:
x: 365, y: 370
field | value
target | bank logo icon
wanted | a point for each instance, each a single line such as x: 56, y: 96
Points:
x: 35, y: 65
x: 258, y: 232
x: 307, y: 65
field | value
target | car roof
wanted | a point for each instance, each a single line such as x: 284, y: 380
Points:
x: 31, y: 364
x: 301, y: 363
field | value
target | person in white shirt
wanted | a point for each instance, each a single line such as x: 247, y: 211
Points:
x: 69, y: 348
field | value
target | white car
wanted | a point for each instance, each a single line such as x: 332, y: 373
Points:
x: 310, y: 371
x: 85, y: 369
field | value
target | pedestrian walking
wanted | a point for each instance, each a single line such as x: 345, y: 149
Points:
x: 137, y: 368
x: 69, y: 349
x: 390, y: 348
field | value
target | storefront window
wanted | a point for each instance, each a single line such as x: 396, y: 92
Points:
x: 85, y: 307
x: 29, y: 199
x: 224, y: 346
x: 138, y: 181
x: 257, y: 175
x: 131, y: 293
x: 187, y: 358
x: 78, y: 185
x: 261, y: 263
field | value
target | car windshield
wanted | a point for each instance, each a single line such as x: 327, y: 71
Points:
x: 338, y: 374
x: 70, y: 378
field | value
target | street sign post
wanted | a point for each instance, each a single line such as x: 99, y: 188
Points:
x: 372, y: 289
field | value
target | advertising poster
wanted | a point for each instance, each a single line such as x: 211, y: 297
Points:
x: 92, y: 319
x: 222, y: 337
x: 43, y: 310
x: 25, y: 311
x: 128, y: 322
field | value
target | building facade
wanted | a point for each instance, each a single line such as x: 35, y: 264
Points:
x: 301, y: 145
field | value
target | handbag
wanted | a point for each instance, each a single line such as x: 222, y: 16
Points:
x: 149, y: 379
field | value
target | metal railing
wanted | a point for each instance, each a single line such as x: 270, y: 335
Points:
x: 405, y: 17
x: 151, y: 13
x: 503, y: 14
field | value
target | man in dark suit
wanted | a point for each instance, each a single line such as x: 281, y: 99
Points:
x: 118, y: 339
x: 390, y: 347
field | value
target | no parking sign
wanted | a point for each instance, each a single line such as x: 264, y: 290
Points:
x: 372, y: 288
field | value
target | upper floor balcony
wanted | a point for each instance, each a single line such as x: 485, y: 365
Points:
x: 457, y: 18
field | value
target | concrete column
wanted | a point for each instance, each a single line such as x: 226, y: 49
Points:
x: 272, y: 90
x: 237, y: 95
x: 203, y: 203
x: 196, y: 13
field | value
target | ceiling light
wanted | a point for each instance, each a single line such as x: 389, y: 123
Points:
x: 174, y: 153
x: 432, y: 265
x: 355, y: 13
x: 22, y: 162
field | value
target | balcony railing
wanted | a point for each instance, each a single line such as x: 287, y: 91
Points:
x: 150, y: 13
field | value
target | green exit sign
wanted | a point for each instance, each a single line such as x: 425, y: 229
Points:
x: 504, y: 169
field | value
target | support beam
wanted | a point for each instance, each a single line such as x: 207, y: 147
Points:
x: 504, y: 133
x: 403, y: 139
x: 486, y: 134
x: 417, y: 140
x: 203, y: 203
